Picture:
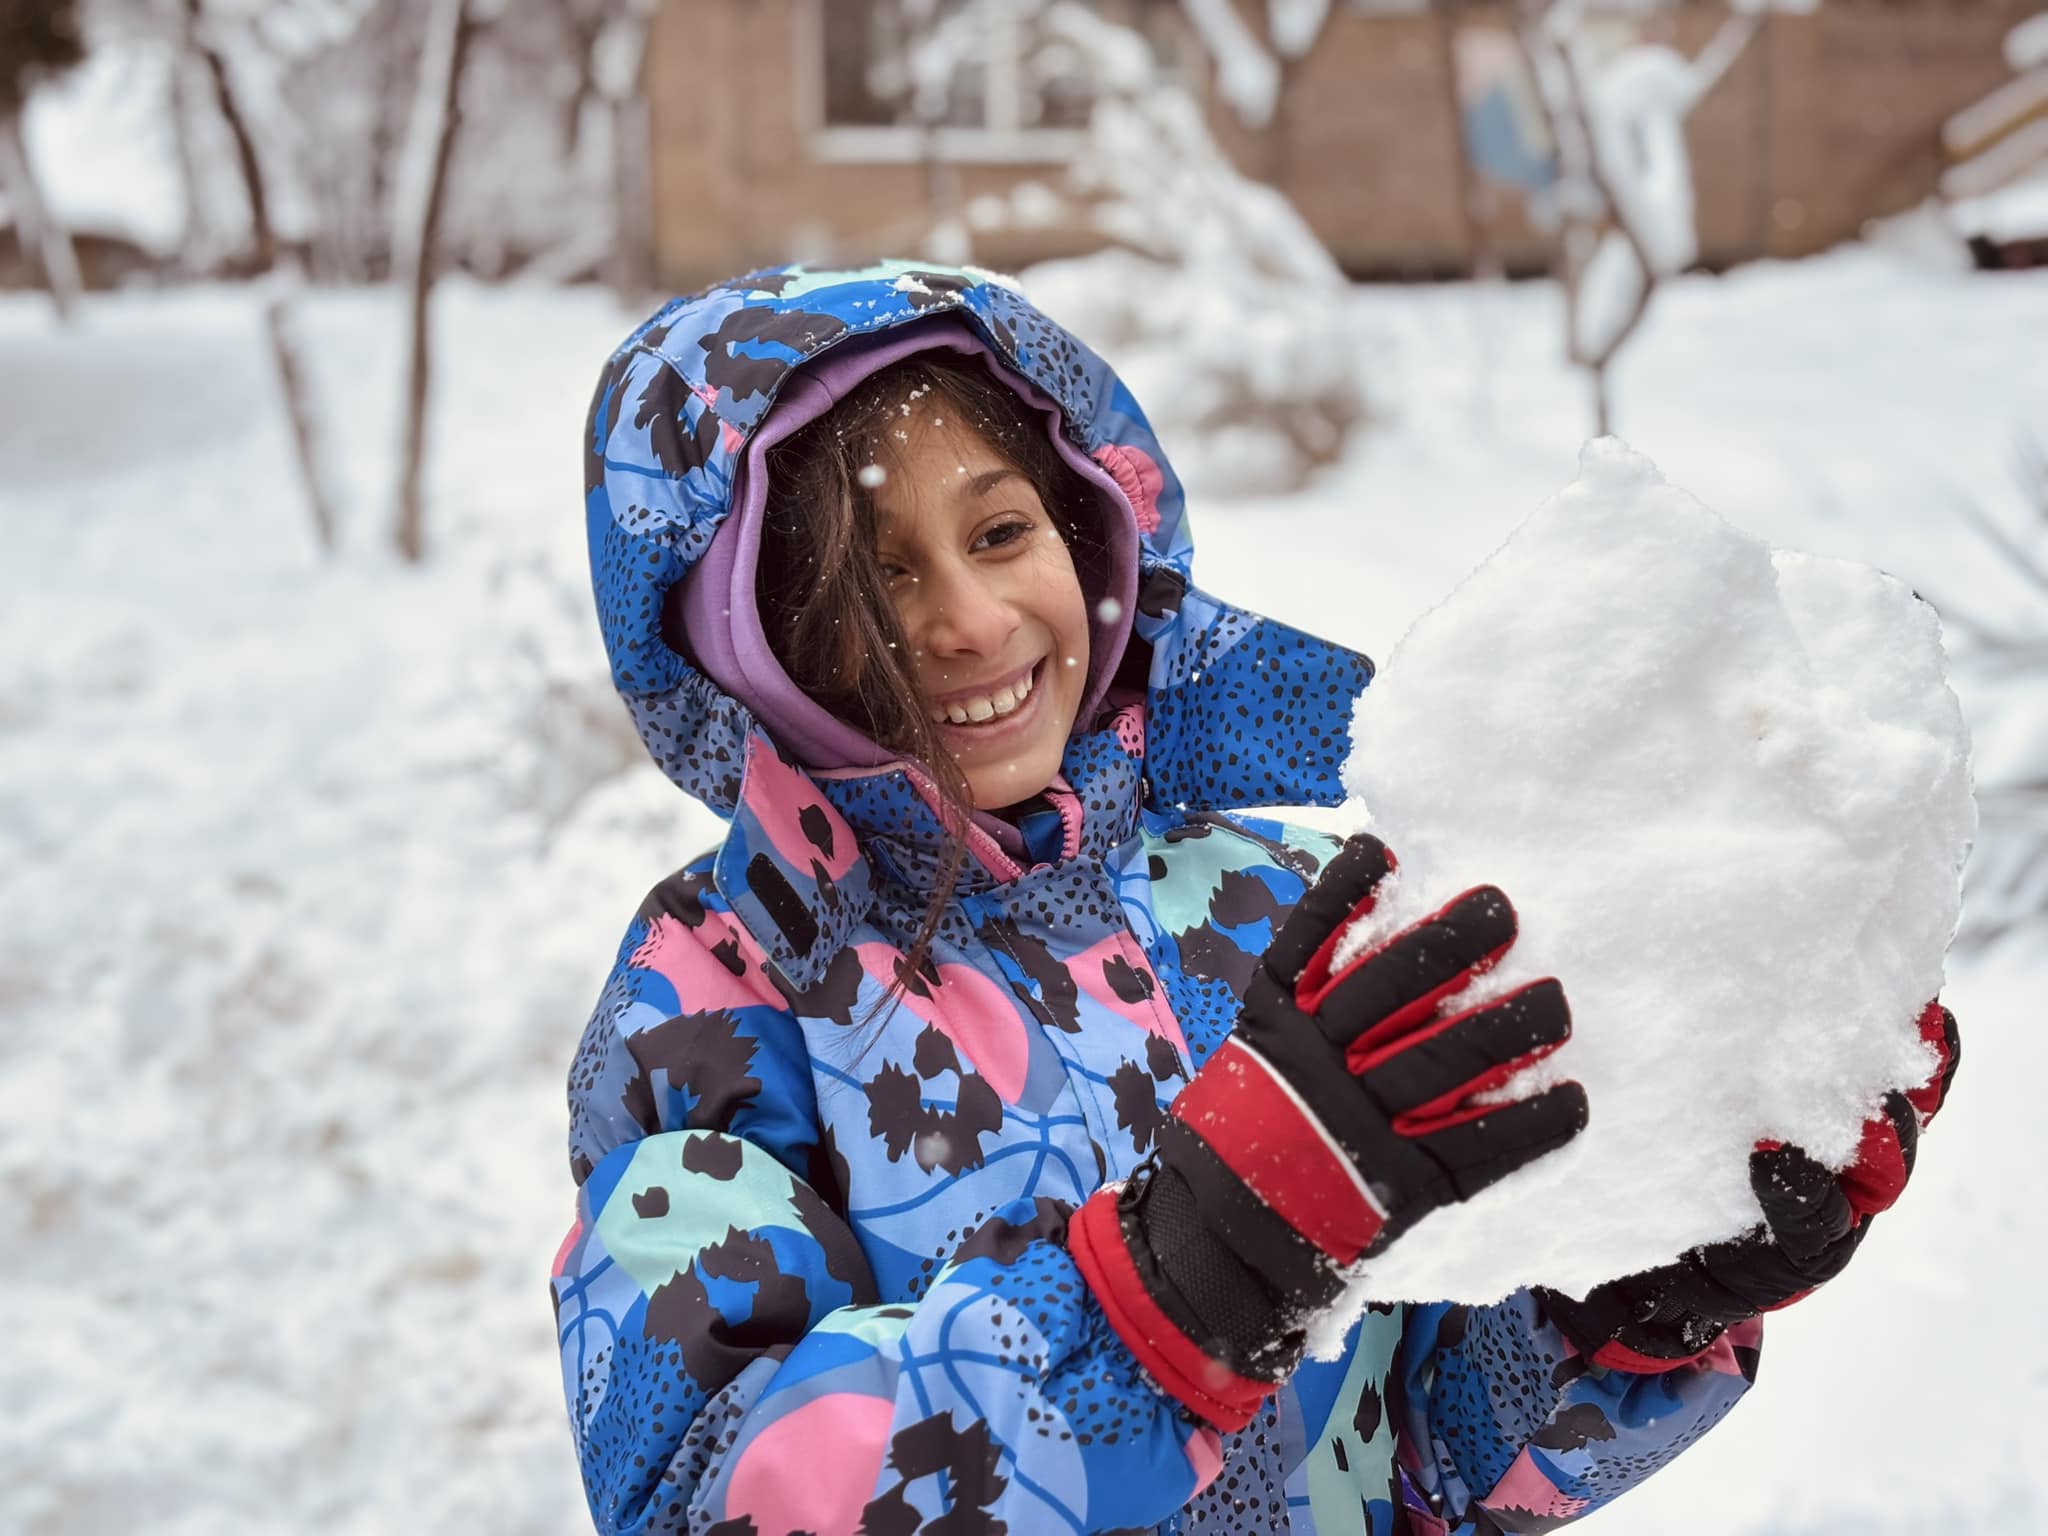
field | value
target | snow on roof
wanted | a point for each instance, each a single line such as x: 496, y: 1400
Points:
x: 2004, y: 162
x: 2012, y: 104
x: 2017, y: 212
x: 2026, y: 45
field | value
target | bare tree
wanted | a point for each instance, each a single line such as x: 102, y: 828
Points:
x: 262, y: 235
x: 423, y: 185
x: 36, y: 42
x: 1625, y: 178
x: 616, y: 70
x: 281, y: 270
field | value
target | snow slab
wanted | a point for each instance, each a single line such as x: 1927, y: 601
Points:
x: 1728, y: 790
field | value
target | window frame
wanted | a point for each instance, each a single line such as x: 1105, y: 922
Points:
x: 1013, y: 143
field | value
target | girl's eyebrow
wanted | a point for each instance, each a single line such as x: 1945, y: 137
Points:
x: 989, y: 479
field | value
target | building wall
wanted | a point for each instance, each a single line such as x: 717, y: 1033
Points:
x: 1825, y: 122
x: 735, y: 183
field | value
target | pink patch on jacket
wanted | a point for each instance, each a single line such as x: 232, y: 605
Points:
x: 1526, y: 1487
x: 968, y: 1009
x: 794, y: 815
x: 1130, y: 729
x: 1138, y: 476
x: 568, y: 1246
x: 1205, y: 1454
x: 813, y: 1470
x: 714, y: 965
x: 1119, y: 956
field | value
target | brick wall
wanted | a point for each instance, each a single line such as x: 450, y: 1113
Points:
x: 1825, y: 122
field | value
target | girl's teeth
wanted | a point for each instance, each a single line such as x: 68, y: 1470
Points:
x: 978, y: 711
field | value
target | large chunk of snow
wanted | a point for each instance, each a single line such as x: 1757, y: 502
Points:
x: 1727, y: 788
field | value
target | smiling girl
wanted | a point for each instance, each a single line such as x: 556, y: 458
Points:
x: 974, y: 1139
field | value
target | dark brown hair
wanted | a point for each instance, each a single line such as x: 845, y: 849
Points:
x: 824, y: 601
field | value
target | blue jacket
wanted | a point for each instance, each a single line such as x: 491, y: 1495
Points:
x: 817, y: 1278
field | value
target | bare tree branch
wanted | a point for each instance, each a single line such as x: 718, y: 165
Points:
x: 230, y: 109
x: 1726, y: 46
x: 2008, y: 548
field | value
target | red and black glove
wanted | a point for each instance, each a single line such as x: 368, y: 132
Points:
x: 1339, y: 1112
x: 1814, y: 1221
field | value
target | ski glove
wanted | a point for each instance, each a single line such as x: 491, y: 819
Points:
x: 1814, y: 1221
x: 1338, y: 1113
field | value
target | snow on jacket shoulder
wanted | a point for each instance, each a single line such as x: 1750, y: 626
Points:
x: 818, y: 1278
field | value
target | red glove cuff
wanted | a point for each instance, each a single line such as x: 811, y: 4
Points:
x: 1218, y: 1394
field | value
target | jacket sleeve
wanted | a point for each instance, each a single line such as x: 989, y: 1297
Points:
x: 727, y: 1362
x: 1508, y: 1427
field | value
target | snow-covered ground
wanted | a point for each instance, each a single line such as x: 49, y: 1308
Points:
x: 310, y: 870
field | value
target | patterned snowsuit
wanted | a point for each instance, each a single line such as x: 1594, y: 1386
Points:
x: 817, y: 1278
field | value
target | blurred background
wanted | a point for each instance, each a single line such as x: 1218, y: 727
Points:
x: 319, y: 820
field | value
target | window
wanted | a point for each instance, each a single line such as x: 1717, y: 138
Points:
x: 1011, y: 93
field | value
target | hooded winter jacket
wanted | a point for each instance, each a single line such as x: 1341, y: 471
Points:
x: 817, y: 1279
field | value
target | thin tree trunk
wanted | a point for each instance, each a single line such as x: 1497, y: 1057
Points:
x: 43, y: 240
x: 195, y: 246
x: 288, y: 358
x: 261, y: 235
x: 279, y: 331
x: 633, y: 236
x: 624, y: 93
x: 429, y: 150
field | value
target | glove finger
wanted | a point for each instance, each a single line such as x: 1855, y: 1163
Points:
x: 1346, y: 886
x: 1487, y: 1148
x: 1802, y: 1202
x: 1764, y: 1274
x: 1423, y: 1079
x: 1884, y: 1159
x: 1938, y: 1029
x: 1385, y: 993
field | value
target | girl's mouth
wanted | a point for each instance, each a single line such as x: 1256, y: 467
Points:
x: 1000, y: 710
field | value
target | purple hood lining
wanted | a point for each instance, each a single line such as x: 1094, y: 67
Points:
x: 721, y: 616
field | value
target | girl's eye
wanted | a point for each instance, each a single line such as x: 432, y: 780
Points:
x: 1009, y: 531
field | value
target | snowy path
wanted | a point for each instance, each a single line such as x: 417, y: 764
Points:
x: 307, y: 889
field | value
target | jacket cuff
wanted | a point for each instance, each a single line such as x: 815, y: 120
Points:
x: 1606, y: 1337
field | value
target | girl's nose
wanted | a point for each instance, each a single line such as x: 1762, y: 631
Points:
x: 966, y: 615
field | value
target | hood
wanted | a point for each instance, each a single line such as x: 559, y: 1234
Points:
x: 1238, y: 710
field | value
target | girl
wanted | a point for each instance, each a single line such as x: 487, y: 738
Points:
x: 973, y: 1142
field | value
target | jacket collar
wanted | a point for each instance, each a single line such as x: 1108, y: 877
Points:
x: 1239, y: 711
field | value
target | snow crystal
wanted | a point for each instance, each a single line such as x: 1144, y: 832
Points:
x: 1727, y: 789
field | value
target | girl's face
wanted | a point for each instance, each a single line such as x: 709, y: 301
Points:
x: 988, y: 598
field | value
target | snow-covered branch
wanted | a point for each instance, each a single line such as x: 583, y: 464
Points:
x: 1247, y: 76
x: 1626, y: 194
x: 1294, y: 25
